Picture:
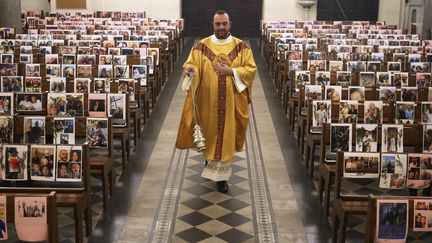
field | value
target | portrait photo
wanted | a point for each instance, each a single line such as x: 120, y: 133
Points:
x: 42, y: 162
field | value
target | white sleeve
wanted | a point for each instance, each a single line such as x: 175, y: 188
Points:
x: 240, y: 86
x: 187, y: 81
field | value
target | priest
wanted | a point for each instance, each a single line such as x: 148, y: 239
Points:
x: 218, y: 78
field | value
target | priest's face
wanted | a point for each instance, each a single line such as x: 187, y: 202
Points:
x: 221, y: 25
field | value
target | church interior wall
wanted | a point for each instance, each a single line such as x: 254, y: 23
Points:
x: 392, y: 11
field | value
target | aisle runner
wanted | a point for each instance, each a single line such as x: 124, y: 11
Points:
x: 192, y: 209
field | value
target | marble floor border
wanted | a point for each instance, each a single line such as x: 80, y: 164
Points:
x: 164, y: 220
x: 265, y: 231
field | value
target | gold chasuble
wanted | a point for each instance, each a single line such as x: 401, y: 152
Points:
x: 223, y: 111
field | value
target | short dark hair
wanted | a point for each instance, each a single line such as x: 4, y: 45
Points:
x: 221, y: 12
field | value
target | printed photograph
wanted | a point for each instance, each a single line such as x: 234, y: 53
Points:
x: 14, y: 162
x: 373, y: 112
x: 31, y: 218
x: 8, y: 69
x: 74, y: 104
x: 6, y: 104
x: 12, y: 84
x: 427, y: 138
x: 101, y: 85
x: 393, y: 171
x: 356, y: 93
x: 69, y: 163
x: 42, y: 166
x: 139, y: 71
x: 361, y: 165
x: 392, y: 138
x: 51, y: 59
x: 322, y: 78
x: 335, y: 66
x: 367, y: 79
x: 32, y: 70
x: 105, y: 71
x: 57, y: 85
x: 117, y: 107
x: 343, y: 78
x: 53, y: 70
x: 419, y: 170
x: 426, y: 115
x: 341, y: 137
x: 82, y: 85
x: 64, y: 130
x: 373, y: 66
x: 387, y: 94
x: 366, y: 137
x: 3, y: 221
x: 316, y: 65
x: 302, y: 78
x: 56, y: 104
x: 29, y: 101
x: 399, y: 79
x: 121, y: 71
x: 423, y: 80
x: 321, y: 110
x: 348, y: 111
x: 409, y: 94
x: 392, y: 220
x: 422, y: 217
x: 6, y: 129
x: 333, y: 93
x: 405, y: 112
x: 68, y: 71
x: 97, y: 132
x: 97, y: 105
x: 34, y: 130
x: 33, y: 84
x: 383, y: 79
x: 84, y: 71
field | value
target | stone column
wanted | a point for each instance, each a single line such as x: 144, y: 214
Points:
x: 427, y: 21
x: 10, y: 14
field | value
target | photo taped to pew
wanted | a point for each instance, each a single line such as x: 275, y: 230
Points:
x: 392, y: 220
x: 393, y: 171
x: 366, y: 137
x: 419, y: 171
x: 97, y: 132
x: 392, y: 138
x: 6, y: 104
x: 6, y: 129
x: 12, y: 84
x: 42, y: 162
x: 341, y: 137
x: 361, y: 165
x: 422, y: 217
x: 31, y: 218
x: 29, y: 102
x: 69, y: 163
x: 3, y: 220
x: 64, y: 130
x: 34, y: 130
x: 14, y: 163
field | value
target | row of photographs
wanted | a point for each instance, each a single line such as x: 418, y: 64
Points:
x: 394, y: 170
x: 405, y: 112
x: 46, y: 163
x: 366, y: 79
x: 366, y: 139
x: 392, y: 219
x: 79, y: 71
x: 358, y: 93
x: 73, y: 54
x: 30, y: 218
x: 63, y: 131
x: 58, y: 85
x: 66, y: 104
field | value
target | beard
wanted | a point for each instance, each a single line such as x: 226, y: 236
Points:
x: 222, y: 34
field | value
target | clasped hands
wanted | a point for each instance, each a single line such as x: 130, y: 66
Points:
x: 222, y: 69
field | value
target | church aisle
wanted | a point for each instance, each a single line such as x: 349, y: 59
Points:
x: 173, y: 203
